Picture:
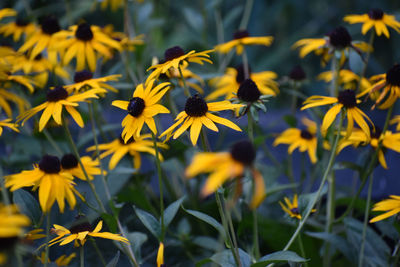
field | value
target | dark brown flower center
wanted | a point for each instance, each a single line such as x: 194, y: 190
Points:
x: 83, y: 75
x: 306, y: 135
x: 393, y: 75
x: 50, y: 25
x: 196, y: 106
x: 377, y: 133
x: 84, y: 32
x: 7, y: 243
x: 56, y: 94
x: 248, y: 91
x: 38, y: 57
x: 347, y: 98
x: 240, y: 34
x: 136, y: 106
x: 69, y: 161
x: 82, y: 227
x: 375, y: 14
x: 297, y: 73
x: 241, y: 75
x: 21, y: 22
x: 340, y: 38
x: 50, y: 164
x: 295, y: 211
x: 173, y: 52
x: 243, y: 152
x: 130, y: 140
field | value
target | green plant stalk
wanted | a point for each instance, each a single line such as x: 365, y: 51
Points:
x: 302, y: 251
x: 4, y: 193
x: 246, y: 14
x: 52, y: 142
x: 335, y: 77
x: 369, y: 169
x: 364, y: 69
x: 245, y: 64
x: 233, y: 234
x: 324, y: 178
x: 160, y: 185
x: 365, y: 224
x: 330, y: 216
x: 103, y: 262
x: 46, y: 249
x: 82, y: 256
x: 250, y: 127
x: 185, y: 87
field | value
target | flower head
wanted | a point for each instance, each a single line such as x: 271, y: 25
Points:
x: 347, y: 78
x: 391, y: 206
x: 375, y: 18
x: 7, y: 123
x: 80, y: 232
x: 84, y: 80
x: 12, y: 222
x: 198, y: 113
x: 70, y: 164
x: 53, y: 183
x: 141, y: 108
x: 228, y: 165
x: 292, y: 208
x: 241, y: 38
x: 17, y: 28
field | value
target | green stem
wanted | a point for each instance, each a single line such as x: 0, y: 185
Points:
x: 256, y: 244
x: 335, y: 77
x: 46, y: 249
x: 365, y: 225
x: 204, y: 141
x: 52, y: 142
x: 4, y: 192
x: 250, y: 127
x: 160, y: 185
x: 185, y: 87
x: 82, y: 256
x: 246, y: 14
x: 103, y: 262
x: 364, y: 69
x: 172, y: 104
x: 233, y: 234
x: 302, y: 251
x: 330, y: 215
x: 245, y: 64
x: 324, y: 178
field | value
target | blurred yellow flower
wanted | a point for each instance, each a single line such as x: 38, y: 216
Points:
x: 292, y: 208
x: 391, y: 206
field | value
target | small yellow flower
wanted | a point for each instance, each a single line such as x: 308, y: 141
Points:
x: 8, y: 124
x: 187, y: 75
x: 12, y: 223
x: 142, y: 108
x: 241, y: 38
x: 391, y: 206
x: 70, y: 164
x: 224, y: 166
x: 79, y: 234
x: 292, y: 208
x: 198, y: 113
x: 375, y: 18
x: 126, y: 42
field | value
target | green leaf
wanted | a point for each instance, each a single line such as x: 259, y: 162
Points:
x: 137, y: 239
x: 171, y: 211
x: 290, y: 120
x: 149, y: 221
x: 202, y: 262
x: 208, y: 219
x: 28, y: 205
x: 110, y: 221
x: 114, y: 261
x: 279, y: 256
x: 226, y: 259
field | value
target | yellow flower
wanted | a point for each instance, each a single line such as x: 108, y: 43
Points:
x: 7, y: 12
x: 79, y: 234
x: 85, y: 43
x: 396, y: 119
x: 391, y: 205
x: 34, y: 234
x: 44, y: 38
x: 7, y: 123
x: 377, y: 19
x: 6, y: 97
x: 196, y: 114
x: 174, y: 57
x: 12, y: 223
x: 292, y: 208
x: 160, y: 255
x: 17, y: 28
x: 347, y: 78
x: 242, y: 38
x: 305, y: 140
x: 53, y: 183
x: 84, y: 80
x: 113, y: 4
x: 346, y: 100
x: 187, y: 74
x: 70, y: 164
x: 389, y: 82
x: 228, y: 84
x: 126, y: 42
x: 63, y: 260
x: 58, y: 98
x: 142, y: 108
x: 7, y: 76
x: 118, y: 148
x: 224, y: 166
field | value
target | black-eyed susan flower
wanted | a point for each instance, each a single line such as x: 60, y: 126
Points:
x: 189, y: 77
x: 34, y: 234
x: 389, y: 82
x: 174, y: 57
x: 346, y: 100
x: 347, y: 79
x: 84, y: 80
x: 7, y: 123
x: 160, y: 255
x: 337, y: 40
x: 57, y: 98
x: 7, y: 76
x: 375, y: 18
x: 6, y: 97
x: 297, y: 74
x: 86, y: 43
x: 70, y: 164
x: 17, y: 28
x: 228, y: 84
x: 198, y: 113
x: 54, y: 184
x: 12, y: 222
x: 303, y: 139
x: 7, y: 12
x: 292, y: 208
x: 43, y: 38
x: 127, y: 43
x: 118, y: 148
x: 242, y: 38
x: 388, y: 139
x: 63, y: 260
x: 80, y: 233
x: 390, y: 205
x: 225, y: 166
x: 142, y: 108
